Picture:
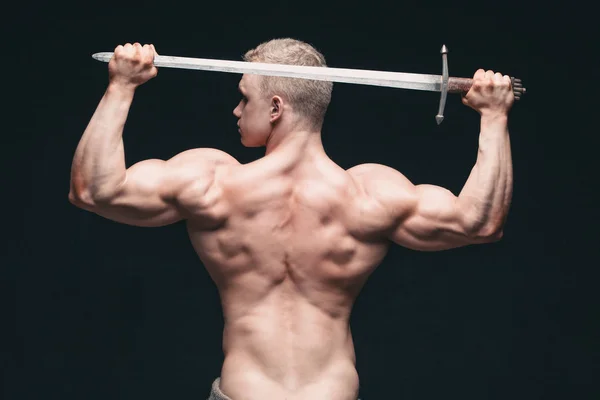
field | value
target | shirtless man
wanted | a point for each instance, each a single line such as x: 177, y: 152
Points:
x: 291, y: 238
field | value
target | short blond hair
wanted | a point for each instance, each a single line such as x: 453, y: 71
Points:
x: 309, y: 98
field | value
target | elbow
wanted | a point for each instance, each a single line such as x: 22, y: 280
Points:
x: 489, y: 234
x: 80, y: 194
x: 479, y: 231
x: 89, y: 193
x: 81, y: 199
x: 495, y: 235
x: 86, y: 197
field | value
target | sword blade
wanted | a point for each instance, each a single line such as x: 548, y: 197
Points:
x: 402, y: 80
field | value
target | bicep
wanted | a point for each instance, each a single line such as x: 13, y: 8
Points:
x: 436, y: 221
x: 419, y: 217
x: 157, y: 193
x: 147, y: 197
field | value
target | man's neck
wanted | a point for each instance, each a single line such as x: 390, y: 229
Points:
x: 295, y: 145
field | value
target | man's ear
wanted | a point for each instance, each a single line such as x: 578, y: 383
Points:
x: 276, y: 109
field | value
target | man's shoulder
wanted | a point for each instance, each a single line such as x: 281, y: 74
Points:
x: 381, y: 183
x: 203, y: 155
x: 368, y: 171
x: 200, y: 165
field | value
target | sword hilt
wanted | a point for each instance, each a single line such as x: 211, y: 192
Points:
x: 463, y: 85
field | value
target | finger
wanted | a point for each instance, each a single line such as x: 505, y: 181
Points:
x: 498, y: 77
x: 489, y: 74
x: 128, y: 50
x: 154, y: 49
x: 137, y: 48
x: 479, y: 74
x: 148, y: 52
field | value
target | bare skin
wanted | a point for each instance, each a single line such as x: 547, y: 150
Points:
x: 291, y: 238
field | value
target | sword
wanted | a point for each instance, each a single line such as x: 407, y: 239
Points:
x: 402, y: 80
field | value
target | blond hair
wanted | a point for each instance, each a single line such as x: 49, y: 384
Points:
x: 309, y: 98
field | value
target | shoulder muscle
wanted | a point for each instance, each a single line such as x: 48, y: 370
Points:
x: 384, y: 195
x: 382, y: 183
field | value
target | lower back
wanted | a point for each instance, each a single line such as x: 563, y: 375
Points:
x: 288, y: 350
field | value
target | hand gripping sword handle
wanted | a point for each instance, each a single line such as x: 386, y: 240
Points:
x: 462, y: 86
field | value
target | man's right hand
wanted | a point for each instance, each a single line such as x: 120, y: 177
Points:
x: 132, y: 65
x: 491, y: 93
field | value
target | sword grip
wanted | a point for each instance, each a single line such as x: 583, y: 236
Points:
x: 462, y: 85
x: 459, y: 85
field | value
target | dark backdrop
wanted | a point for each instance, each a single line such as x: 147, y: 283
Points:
x: 95, y: 310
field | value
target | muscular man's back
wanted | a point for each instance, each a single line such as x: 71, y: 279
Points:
x: 291, y: 238
x: 289, y: 253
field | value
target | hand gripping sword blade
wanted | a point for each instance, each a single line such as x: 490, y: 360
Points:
x: 401, y: 80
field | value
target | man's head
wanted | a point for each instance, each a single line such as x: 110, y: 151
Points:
x: 268, y: 100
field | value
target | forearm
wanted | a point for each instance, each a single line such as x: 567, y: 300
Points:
x: 486, y: 196
x: 98, y: 167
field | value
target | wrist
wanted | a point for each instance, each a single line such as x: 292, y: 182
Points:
x: 121, y: 90
x: 493, y: 118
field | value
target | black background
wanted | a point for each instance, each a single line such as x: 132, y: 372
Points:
x: 95, y: 310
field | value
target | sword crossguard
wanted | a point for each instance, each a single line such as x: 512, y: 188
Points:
x: 444, y: 89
